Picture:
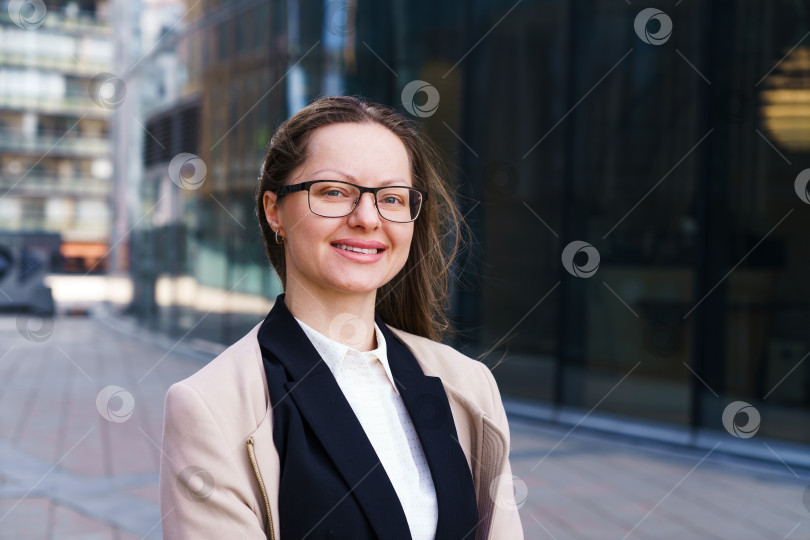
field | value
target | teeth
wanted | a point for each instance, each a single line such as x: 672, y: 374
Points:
x: 358, y: 250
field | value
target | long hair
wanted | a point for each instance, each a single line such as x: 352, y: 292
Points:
x: 417, y: 298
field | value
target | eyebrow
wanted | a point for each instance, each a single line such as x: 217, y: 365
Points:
x: 353, y: 179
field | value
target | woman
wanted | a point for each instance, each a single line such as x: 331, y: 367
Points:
x: 341, y: 415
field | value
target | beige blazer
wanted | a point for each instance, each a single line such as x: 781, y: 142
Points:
x: 219, y: 468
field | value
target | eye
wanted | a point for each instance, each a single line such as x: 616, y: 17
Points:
x: 333, y: 191
x: 392, y: 200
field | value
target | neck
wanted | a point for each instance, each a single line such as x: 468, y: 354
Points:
x: 345, y: 318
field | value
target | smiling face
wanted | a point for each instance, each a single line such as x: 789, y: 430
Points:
x: 365, y: 154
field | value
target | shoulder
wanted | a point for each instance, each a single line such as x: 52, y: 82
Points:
x: 232, y: 383
x: 469, y: 377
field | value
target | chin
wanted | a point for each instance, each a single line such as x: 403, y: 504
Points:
x: 362, y: 286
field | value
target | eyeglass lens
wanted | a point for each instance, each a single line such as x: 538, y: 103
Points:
x: 335, y: 199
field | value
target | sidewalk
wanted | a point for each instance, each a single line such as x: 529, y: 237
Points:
x: 578, y: 484
x: 76, y: 462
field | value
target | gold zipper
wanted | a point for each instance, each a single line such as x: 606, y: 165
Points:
x: 252, y: 457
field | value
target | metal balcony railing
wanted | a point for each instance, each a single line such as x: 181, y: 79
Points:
x: 82, y: 22
x: 96, y: 230
x: 70, y: 143
x: 72, y: 104
x: 75, y: 65
x: 50, y: 185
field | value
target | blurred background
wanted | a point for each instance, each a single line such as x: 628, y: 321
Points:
x: 635, y: 177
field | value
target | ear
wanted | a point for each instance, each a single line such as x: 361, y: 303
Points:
x: 271, y: 210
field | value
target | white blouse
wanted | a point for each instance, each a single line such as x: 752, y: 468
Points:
x: 366, y: 380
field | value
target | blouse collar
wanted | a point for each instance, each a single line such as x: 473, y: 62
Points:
x: 334, y: 353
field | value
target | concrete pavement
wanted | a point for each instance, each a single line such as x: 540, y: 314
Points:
x: 81, y: 408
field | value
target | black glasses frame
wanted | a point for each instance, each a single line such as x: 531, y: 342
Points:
x: 304, y: 186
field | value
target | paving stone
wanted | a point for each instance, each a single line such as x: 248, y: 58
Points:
x: 591, y: 484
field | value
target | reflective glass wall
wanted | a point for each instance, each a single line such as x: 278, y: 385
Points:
x: 636, y: 181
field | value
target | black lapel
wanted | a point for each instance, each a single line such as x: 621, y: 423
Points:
x: 429, y: 409
x: 322, y: 403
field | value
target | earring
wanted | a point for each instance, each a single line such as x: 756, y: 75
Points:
x: 282, y: 239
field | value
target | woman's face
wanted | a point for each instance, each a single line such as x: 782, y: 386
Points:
x: 363, y: 154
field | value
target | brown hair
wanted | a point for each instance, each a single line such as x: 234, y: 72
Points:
x: 416, y: 298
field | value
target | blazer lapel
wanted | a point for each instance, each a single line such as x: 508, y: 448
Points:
x: 427, y: 403
x: 322, y: 404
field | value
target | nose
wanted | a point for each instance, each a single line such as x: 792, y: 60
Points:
x: 365, y: 213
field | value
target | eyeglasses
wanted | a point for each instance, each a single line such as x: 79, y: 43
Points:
x: 335, y: 198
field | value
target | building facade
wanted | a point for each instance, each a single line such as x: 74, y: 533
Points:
x: 55, y: 167
x: 635, y: 179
